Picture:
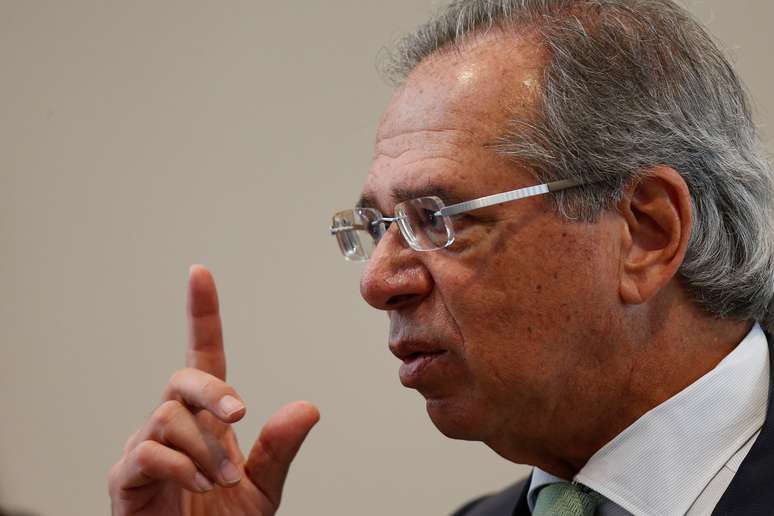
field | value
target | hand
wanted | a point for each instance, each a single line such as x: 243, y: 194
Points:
x: 185, y: 460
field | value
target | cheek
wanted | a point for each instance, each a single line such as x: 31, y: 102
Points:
x: 503, y: 288
x: 492, y: 316
x: 517, y: 307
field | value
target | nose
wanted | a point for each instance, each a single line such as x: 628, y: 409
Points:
x: 395, y: 277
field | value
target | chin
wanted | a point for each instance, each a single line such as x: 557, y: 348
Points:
x: 455, y: 420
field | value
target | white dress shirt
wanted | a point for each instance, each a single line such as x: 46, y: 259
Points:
x: 679, y: 457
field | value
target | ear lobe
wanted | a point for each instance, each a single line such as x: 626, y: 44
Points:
x: 657, y: 213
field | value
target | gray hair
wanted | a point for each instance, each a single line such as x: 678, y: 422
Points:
x: 629, y: 85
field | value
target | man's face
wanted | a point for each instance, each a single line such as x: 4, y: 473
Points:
x: 499, y: 331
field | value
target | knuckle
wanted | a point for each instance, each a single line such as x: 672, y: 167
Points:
x: 173, y: 384
x: 114, y: 475
x: 167, y: 413
x: 145, y: 454
x: 178, y: 376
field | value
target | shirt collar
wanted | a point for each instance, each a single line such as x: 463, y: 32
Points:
x: 662, y: 461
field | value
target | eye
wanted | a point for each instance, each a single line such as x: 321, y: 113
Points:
x: 377, y: 228
x: 433, y: 221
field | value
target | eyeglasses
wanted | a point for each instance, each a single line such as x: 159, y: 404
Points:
x: 425, y: 223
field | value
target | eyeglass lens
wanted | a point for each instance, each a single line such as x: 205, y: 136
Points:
x: 358, y: 231
x: 422, y: 228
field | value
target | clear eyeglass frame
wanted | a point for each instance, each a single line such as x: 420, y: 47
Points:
x: 425, y: 223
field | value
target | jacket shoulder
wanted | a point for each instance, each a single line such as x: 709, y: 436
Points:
x: 502, y: 503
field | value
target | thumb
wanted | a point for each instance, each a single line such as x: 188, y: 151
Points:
x: 281, y: 437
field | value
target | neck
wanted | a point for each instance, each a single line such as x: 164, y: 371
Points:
x: 653, y: 361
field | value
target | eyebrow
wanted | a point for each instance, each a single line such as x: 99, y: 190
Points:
x: 446, y: 194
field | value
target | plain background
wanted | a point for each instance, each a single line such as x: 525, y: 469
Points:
x: 137, y: 138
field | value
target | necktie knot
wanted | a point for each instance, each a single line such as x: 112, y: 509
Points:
x: 566, y: 499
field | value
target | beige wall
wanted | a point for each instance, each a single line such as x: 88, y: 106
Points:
x: 137, y: 138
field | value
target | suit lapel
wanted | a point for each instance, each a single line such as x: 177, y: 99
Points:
x: 522, y: 507
x: 750, y: 492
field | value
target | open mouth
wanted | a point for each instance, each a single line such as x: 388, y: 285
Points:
x: 418, y: 365
x: 421, y: 355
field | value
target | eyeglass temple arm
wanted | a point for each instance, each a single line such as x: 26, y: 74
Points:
x: 513, y: 195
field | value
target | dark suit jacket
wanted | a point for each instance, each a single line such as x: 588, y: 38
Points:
x: 751, y: 492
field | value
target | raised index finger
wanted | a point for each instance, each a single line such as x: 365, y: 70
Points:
x: 205, y: 345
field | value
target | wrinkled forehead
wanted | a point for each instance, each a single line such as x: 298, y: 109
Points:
x: 438, y: 132
x: 422, y: 162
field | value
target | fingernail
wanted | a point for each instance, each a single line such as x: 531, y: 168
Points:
x: 202, y: 483
x: 229, y: 472
x: 230, y: 405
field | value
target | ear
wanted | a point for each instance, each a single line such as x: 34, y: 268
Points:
x: 657, y: 212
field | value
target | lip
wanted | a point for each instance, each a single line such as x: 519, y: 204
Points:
x: 419, y: 360
x: 417, y: 368
x: 409, y: 349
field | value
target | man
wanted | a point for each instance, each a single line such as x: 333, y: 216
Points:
x: 601, y: 319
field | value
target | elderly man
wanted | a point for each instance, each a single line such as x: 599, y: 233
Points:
x: 569, y: 223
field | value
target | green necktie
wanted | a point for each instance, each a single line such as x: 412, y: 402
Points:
x: 566, y: 499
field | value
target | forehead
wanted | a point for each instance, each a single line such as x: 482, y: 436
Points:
x: 438, y: 130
